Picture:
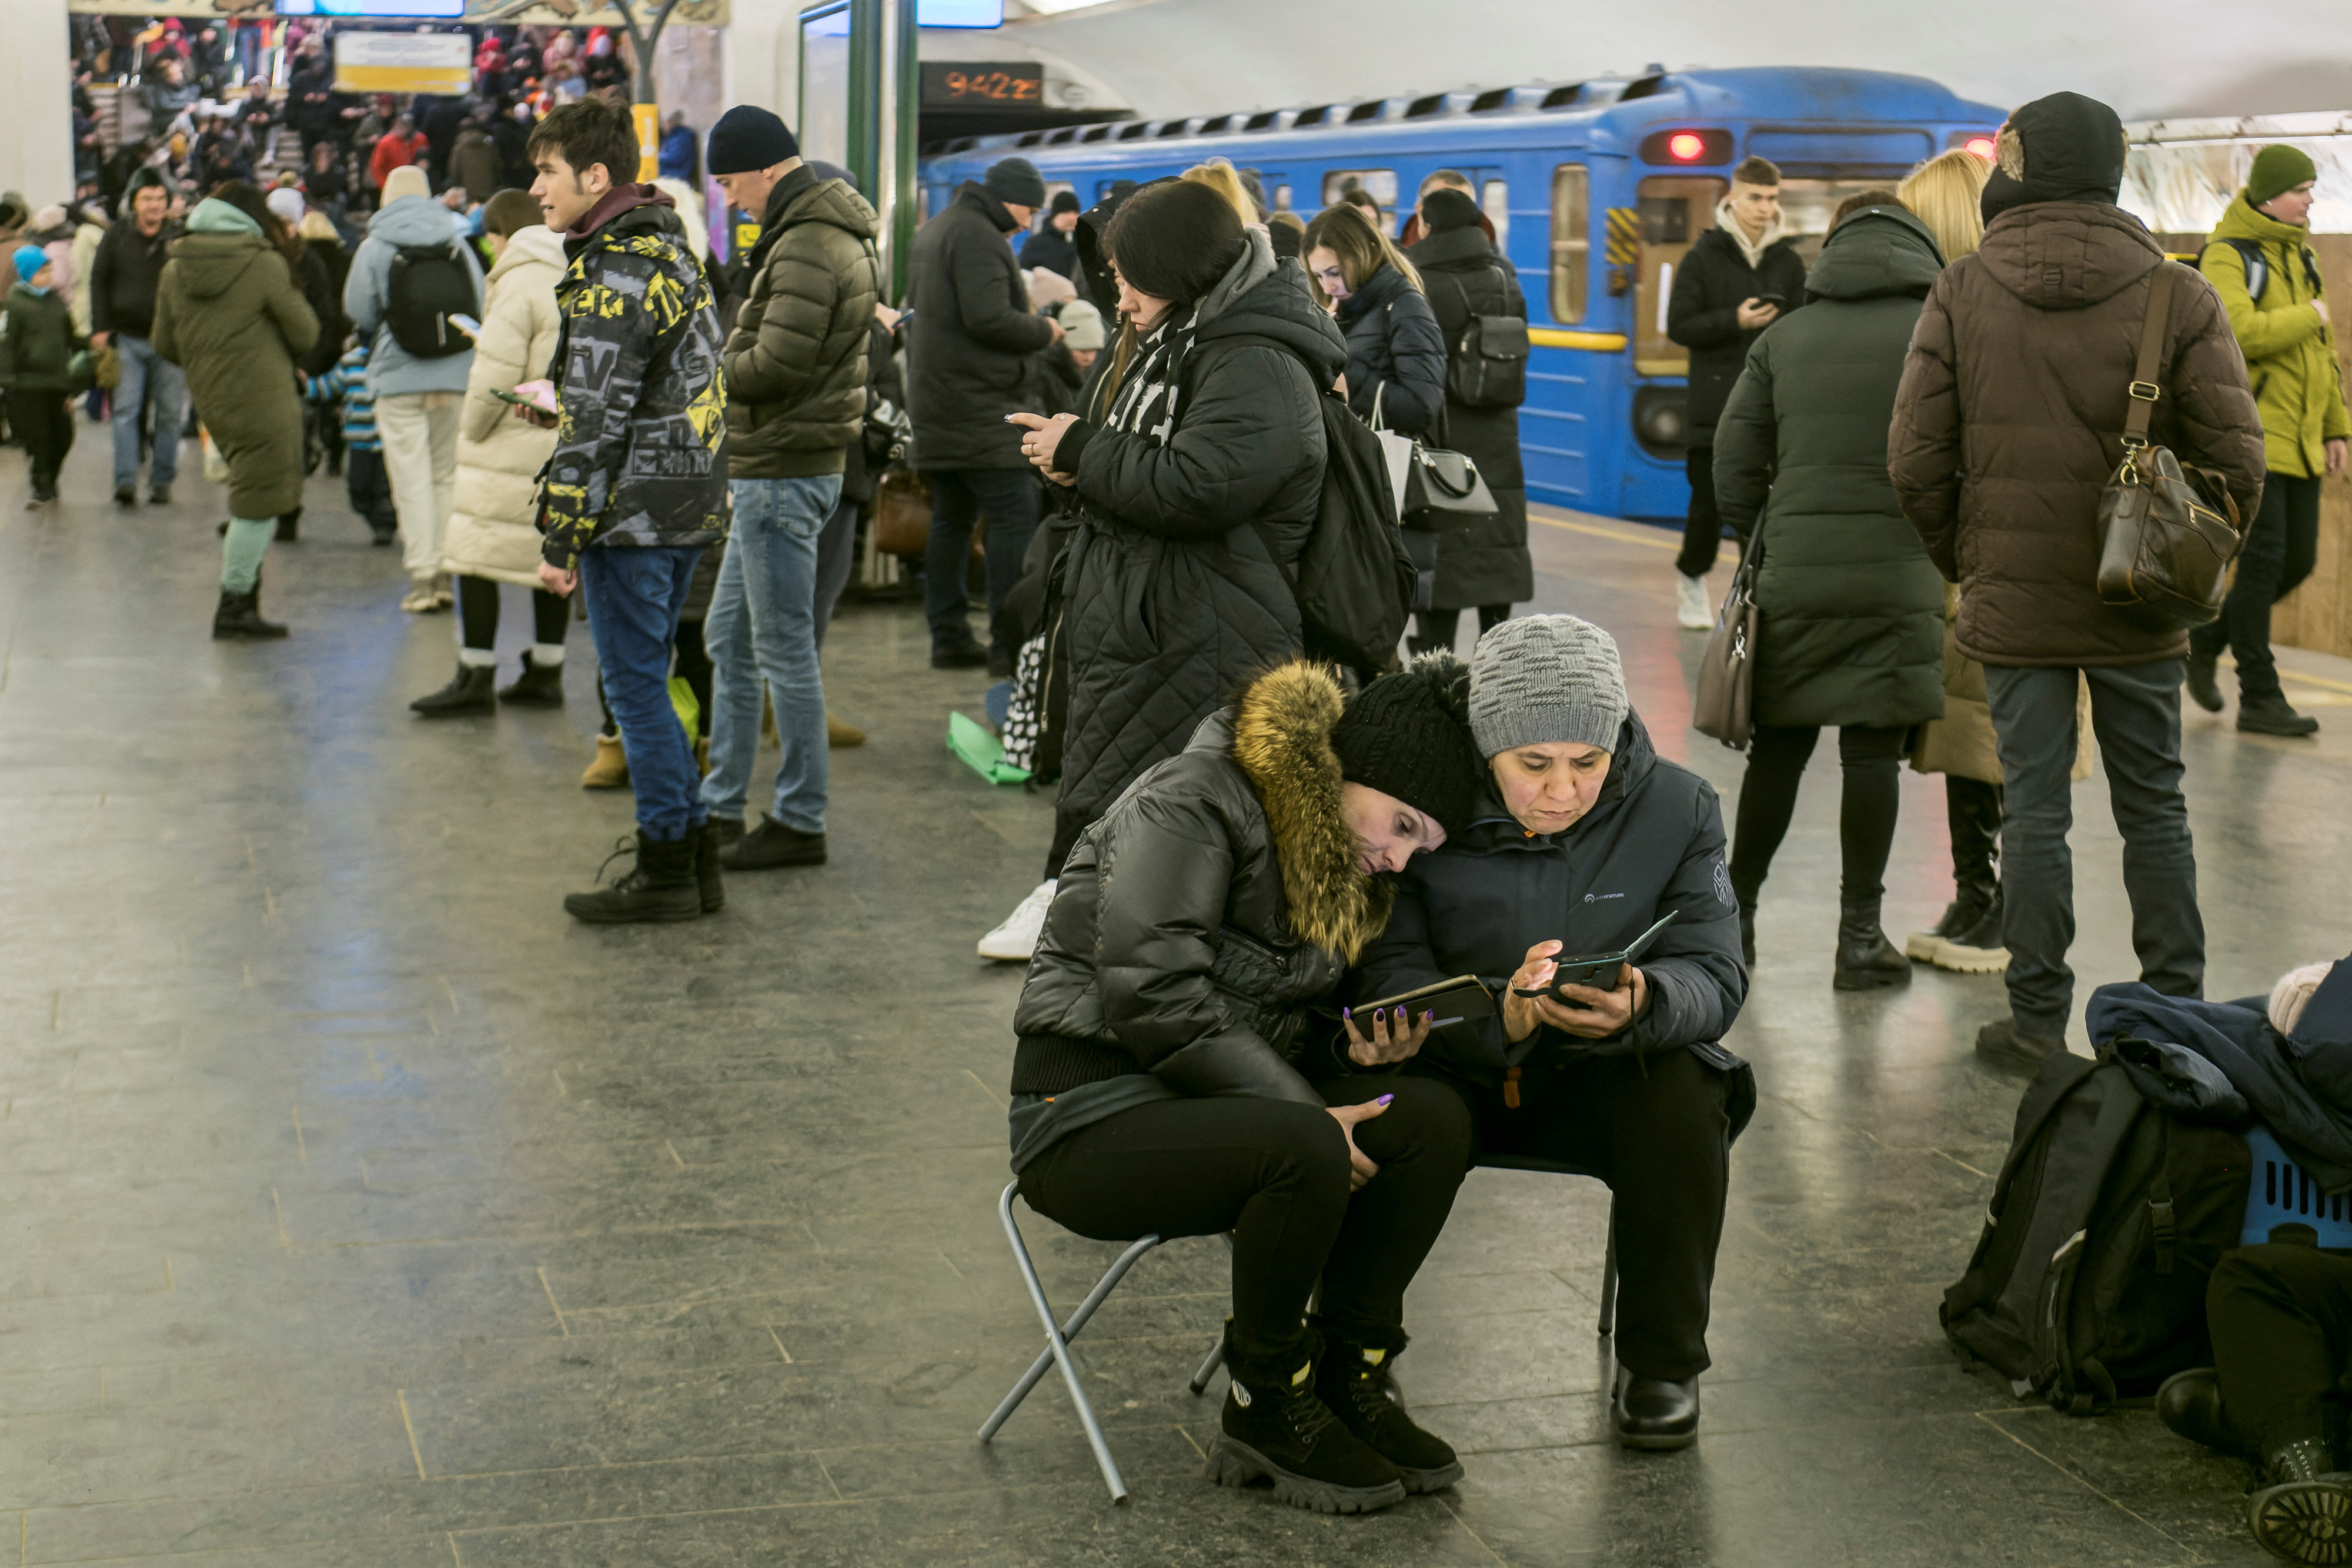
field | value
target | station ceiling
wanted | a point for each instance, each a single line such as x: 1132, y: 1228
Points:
x: 2149, y: 59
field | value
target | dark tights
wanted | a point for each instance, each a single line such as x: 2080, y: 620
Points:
x: 1437, y: 628
x: 1871, y: 760
x: 477, y: 615
x: 1275, y: 1175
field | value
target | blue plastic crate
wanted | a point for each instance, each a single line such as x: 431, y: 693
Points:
x: 2283, y: 1193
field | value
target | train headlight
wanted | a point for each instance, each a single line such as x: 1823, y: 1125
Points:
x: 1686, y: 147
x: 1982, y: 146
x: 1661, y: 420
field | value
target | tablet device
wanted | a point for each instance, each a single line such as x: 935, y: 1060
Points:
x: 1461, y: 999
x: 1597, y: 970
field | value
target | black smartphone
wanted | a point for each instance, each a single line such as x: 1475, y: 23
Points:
x: 1778, y: 301
x: 1597, y: 970
x: 1465, y: 998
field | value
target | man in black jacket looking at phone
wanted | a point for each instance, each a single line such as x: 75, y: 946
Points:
x: 1742, y: 275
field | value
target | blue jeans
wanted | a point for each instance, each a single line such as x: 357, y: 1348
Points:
x: 147, y: 373
x: 1009, y: 499
x: 762, y: 628
x: 634, y: 595
x: 2136, y: 714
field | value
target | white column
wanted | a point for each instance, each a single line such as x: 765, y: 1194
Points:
x: 36, y: 102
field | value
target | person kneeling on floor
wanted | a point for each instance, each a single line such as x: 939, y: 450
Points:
x: 1161, y: 1084
x: 1584, y: 838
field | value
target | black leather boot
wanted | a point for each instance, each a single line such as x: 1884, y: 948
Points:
x: 1655, y: 1412
x: 1867, y: 961
x: 773, y: 844
x: 238, y: 615
x: 2204, y: 688
x: 662, y: 886
x: 708, y: 884
x: 1276, y: 1426
x: 536, y: 687
x: 1355, y: 1380
x: 2302, y: 1511
x: 2273, y: 715
x: 469, y: 691
x: 2189, y: 1404
x: 1979, y: 949
x: 2002, y: 1040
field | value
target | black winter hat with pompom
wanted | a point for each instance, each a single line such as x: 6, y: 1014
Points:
x: 1408, y: 735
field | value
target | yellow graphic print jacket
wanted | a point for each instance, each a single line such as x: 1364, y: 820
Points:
x: 638, y: 457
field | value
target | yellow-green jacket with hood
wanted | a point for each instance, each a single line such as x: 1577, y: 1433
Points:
x: 2290, y: 352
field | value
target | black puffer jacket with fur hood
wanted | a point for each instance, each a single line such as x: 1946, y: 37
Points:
x: 1202, y: 914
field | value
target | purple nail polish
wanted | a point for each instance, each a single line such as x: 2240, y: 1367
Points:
x: 1347, y: 1012
x: 1383, y: 1099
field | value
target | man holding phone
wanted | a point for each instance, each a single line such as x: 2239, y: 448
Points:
x: 634, y: 493
x: 1742, y: 275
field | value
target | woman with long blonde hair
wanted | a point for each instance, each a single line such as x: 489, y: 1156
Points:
x: 1944, y: 192
x: 1396, y: 355
x: 1221, y: 176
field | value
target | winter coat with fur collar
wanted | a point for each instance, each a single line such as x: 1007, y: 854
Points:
x: 1198, y: 917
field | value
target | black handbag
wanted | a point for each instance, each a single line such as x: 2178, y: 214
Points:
x: 1443, y: 489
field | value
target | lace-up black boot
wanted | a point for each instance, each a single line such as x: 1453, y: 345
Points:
x: 662, y: 886
x: 1277, y: 1426
x: 2302, y: 1511
x: 1356, y: 1382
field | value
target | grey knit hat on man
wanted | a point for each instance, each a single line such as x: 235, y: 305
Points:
x: 1540, y: 679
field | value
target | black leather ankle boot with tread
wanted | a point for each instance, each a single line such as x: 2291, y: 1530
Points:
x: 2302, y: 1510
x: 662, y: 886
x: 1355, y: 1381
x: 1277, y: 1428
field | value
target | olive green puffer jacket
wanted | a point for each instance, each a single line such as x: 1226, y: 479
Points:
x: 2290, y: 352
x: 796, y: 362
x: 1852, y: 609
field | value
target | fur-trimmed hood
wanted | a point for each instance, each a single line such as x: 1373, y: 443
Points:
x: 1281, y: 737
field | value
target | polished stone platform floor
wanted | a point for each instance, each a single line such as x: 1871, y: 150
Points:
x: 361, y: 1209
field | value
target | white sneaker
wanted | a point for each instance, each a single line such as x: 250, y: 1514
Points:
x: 1691, y: 613
x: 1017, y: 939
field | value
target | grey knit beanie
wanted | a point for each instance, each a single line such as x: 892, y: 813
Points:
x: 1546, y: 678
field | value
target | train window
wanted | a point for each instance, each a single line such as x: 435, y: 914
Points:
x: 1807, y: 206
x: 1571, y: 240
x: 1282, y: 198
x: 1673, y: 210
x: 1380, y: 183
x: 1495, y: 201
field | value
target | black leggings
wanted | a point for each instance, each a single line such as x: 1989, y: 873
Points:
x: 1701, y: 525
x: 1275, y: 1173
x: 1437, y: 628
x: 477, y: 615
x: 2282, y: 1323
x: 1871, y: 760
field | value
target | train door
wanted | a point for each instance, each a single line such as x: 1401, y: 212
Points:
x: 1670, y: 213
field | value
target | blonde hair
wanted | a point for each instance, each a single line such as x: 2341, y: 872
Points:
x: 1360, y: 245
x: 1219, y: 175
x: 1942, y: 191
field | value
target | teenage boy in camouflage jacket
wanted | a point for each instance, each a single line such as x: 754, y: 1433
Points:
x: 636, y: 490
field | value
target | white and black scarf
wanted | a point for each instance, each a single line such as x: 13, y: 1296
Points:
x: 1145, y: 403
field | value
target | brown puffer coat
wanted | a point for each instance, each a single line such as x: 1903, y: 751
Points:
x: 2010, y: 417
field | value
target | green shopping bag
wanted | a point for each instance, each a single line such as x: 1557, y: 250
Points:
x: 690, y: 712
x: 981, y: 752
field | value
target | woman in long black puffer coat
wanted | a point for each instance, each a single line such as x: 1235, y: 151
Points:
x: 1396, y: 355
x: 1485, y: 565
x: 1195, y: 472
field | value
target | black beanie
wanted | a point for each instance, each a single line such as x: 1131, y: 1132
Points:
x: 2062, y: 147
x: 748, y: 138
x: 1448, y: 207
x: 1065, y: 202
x: 1407, y: 734
x: 1016, y: 182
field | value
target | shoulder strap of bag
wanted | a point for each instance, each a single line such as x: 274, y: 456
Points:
x: 2144, y: 388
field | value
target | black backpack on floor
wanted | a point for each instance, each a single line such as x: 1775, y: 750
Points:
x: 2088, y: 1285
x: 429, y: 284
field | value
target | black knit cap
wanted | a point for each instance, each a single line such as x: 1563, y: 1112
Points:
x: 1408, y: 735
x: 1014, y: 179
x: 747, y: 139
x: 1064, y: 202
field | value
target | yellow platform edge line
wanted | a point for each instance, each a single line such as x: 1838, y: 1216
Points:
x: 1626, y: 536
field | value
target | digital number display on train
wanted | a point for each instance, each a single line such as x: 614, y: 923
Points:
x: 954, y: 85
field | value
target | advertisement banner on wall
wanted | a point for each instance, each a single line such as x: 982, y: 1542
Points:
x: 405, y: 62
x: 528, y: 13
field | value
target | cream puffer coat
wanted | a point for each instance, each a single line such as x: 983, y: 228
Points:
x: 493, y: 531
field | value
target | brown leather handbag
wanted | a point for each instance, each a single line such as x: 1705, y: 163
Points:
x: 2167, y: 532
x: 902, y: 513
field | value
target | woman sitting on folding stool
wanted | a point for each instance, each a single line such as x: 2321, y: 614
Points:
x: 1586, y: 838
x: 1160, y: 1085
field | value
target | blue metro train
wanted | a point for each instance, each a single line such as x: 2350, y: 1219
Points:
x: 1595, y: 190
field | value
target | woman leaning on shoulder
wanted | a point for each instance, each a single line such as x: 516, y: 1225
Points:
x: 1161, y: 1082
x: 1583, y: 839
